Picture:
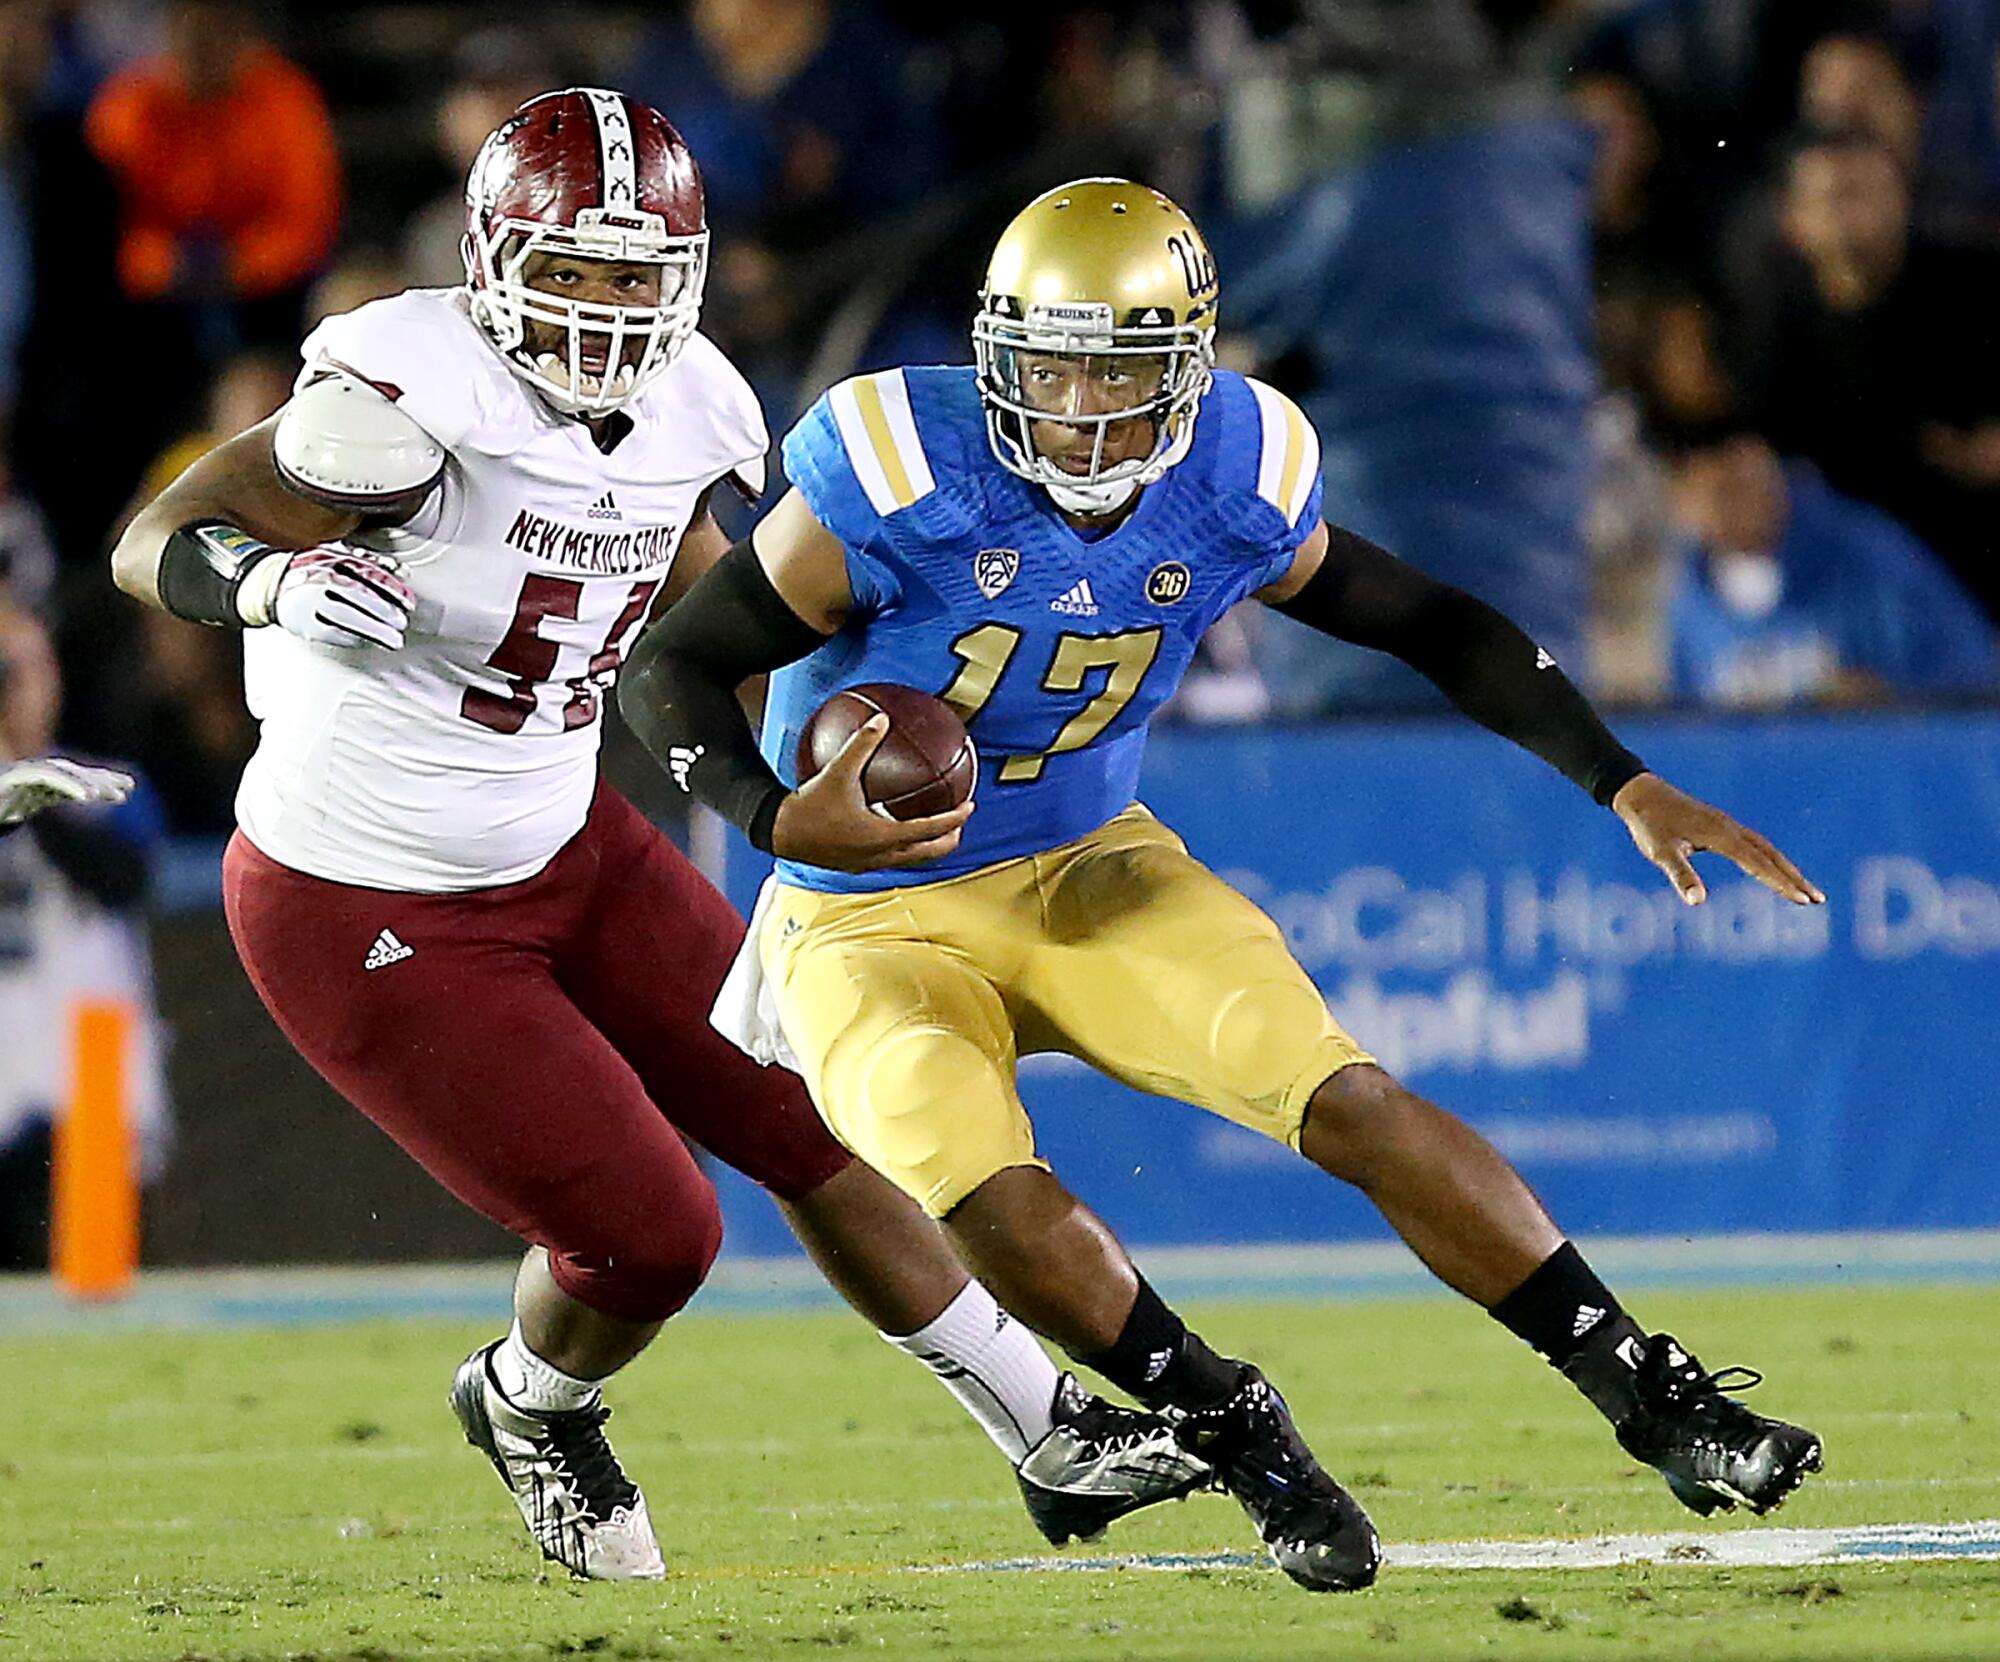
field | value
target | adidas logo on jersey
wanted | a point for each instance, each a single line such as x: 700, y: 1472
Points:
x: 1078, y: 602
x: 604, y: 508
x: 387, y: 950
x: 1587, y: 1317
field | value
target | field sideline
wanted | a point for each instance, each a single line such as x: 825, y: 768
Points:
x: 263, y: 1492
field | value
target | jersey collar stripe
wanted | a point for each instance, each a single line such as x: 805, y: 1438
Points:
x: 614, y: 150
x: 879, y: 432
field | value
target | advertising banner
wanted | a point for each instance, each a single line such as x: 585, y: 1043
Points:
x: 1496, y: 940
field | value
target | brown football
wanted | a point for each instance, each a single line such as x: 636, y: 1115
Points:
x: 925, y: 762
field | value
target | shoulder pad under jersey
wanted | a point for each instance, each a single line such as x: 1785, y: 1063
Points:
x: 341, y: 442
x: 421, y: 352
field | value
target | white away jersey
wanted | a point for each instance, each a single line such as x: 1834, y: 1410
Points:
x: 468, y: 758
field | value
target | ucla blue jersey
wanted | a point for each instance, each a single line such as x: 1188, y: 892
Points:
x: 1057, y: 648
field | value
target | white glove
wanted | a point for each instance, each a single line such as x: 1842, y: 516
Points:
x: 331, y: 597
x: 26, y: 788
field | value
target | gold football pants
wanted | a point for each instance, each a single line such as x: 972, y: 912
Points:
x: 908, y: 1008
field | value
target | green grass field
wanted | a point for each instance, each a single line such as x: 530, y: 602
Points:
x: 304, y: 1493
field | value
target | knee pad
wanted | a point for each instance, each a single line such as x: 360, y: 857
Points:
x: 1262, y: 1033
x: 930, y: 1109
x: 920, y: 1082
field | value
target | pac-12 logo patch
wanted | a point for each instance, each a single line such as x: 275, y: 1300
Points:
x: 993, y: 569
x: 1168, y: 583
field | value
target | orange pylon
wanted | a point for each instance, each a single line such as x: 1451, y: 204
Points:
x: 94, y: 1181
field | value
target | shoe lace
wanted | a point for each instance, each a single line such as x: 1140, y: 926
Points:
x: 1725, y: 1380
x: 1116, y: 1430
x: 1707, y: 1393
x: 581, y: 1458
x: 1690, y: 1380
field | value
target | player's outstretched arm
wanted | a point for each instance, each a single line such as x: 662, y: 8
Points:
x: 768, y: 602
x: 1347, y: 587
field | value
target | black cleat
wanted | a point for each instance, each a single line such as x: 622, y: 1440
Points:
x: 1316, y: 1531
x: 1100, y: 1462
x: 1714, y: 1453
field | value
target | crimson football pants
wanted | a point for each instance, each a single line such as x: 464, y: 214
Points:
x: 537, y: 1045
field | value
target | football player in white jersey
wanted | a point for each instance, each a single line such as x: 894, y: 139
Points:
x: 440, y: 550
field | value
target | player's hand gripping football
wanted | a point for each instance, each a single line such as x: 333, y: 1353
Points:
x: 1670, y: 827
x: 336, y: 597
x: 827, y: 821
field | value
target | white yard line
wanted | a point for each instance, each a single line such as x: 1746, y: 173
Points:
x: 1747, y: 1548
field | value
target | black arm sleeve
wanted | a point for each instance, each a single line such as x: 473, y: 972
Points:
x: 1482, y: 662
x: 678, y: 690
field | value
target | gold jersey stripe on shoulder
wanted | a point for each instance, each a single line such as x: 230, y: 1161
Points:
x: 1288, y: 458
x: 880, y: 435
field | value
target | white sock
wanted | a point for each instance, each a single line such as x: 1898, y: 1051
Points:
x: 994, y: 1366
x: 528, y: 1382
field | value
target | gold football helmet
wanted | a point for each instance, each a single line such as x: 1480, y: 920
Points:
x: 1114, y: 274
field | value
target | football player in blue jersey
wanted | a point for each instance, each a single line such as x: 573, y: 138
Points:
x: 1041, y: 539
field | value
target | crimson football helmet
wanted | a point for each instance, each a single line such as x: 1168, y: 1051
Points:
x: 593, y: 175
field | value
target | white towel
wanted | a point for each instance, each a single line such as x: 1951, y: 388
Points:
x: 746, y: 1009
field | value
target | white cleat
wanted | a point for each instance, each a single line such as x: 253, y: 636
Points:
x: 583, y: 1511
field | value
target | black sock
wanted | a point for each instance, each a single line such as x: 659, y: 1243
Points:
x: 1160, y: 1362
x: 1558, y: 1306
x: 1570, y: 1316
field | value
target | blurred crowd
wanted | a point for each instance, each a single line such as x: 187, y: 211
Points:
x: 1788, y: 213
x: 1796, y: 239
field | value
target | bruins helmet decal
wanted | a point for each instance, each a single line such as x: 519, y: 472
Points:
x: 1114, y: 274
